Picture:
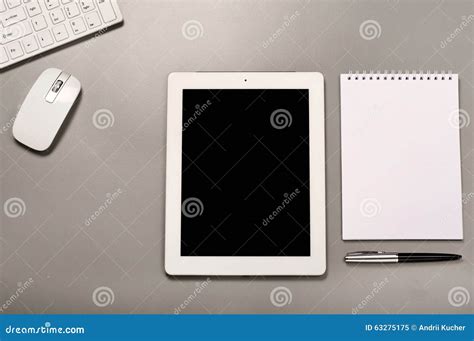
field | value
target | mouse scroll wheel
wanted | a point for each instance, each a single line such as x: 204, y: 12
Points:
x: 57, y: 86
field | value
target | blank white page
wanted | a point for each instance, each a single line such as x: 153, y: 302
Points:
x: 401, y: 165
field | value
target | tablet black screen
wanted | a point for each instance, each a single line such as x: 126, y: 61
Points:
x: 245, y: 173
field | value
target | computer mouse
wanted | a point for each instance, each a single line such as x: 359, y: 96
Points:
x: 45, y: 108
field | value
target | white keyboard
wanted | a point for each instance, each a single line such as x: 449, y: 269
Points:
x: 31, y: 27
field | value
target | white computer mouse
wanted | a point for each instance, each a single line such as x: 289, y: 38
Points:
x: 45, y: 108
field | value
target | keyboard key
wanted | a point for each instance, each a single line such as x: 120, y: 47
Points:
x: 64, y: 2
x: 45, y: 38
x: 13, y: 3
x: 50, y: 4
x: 3, y: 8
x: 14, y: 32
x: 33, y: 8
x: 39, y: 23
x: 93, y: 20
x: 72, y: 10
x: 30, y: 44
x: 13, y: 16
x: 106, y: 10
x: 3, y: 56
x: 78, y: 26
x: 60, y: 32
x: 15, y: 50
x: 87, y: 5
x: 57, y: 16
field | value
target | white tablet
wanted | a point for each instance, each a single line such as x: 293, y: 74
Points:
x: 245, y: 174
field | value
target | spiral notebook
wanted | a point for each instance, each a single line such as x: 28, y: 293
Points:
x: 401, y: 164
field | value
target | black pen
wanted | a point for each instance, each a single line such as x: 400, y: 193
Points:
x: 397, y: 257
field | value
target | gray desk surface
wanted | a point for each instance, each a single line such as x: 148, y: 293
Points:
x: 125, y: 72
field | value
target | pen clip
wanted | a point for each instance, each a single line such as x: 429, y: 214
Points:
x: 362, y: 253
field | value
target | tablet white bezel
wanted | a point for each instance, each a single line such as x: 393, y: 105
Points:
x: 315, y: 264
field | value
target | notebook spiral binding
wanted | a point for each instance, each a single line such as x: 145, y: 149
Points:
x: 399, y: 75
